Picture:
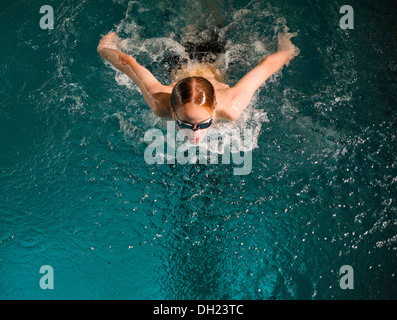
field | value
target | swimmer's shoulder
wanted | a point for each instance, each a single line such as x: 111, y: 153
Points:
x: 226, y: 103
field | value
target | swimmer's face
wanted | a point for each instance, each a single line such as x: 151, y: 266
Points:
x: 193, y: 114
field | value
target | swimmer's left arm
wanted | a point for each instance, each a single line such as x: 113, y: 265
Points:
x: 242, y: 93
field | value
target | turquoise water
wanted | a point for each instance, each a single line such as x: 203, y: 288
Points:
x: 77, y: 194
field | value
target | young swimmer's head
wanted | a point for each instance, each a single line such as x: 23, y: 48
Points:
x: 193, y: 105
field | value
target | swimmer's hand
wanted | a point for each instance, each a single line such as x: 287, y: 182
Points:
x: 108, y: 49
x: 285, y: 45
x: 110, y: 40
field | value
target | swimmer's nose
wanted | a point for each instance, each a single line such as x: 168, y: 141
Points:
x: 195, y: 137
x: 196, y: 134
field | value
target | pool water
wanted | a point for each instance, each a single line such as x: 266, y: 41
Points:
x: 77, y: 194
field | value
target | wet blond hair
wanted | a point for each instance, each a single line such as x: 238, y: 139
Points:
x: 196, y: 90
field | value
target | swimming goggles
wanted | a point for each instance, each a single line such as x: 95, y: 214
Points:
x: 203, y: 125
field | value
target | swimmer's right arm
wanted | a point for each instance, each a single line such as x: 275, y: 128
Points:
x: 155, y: 94
x: 242, y: 93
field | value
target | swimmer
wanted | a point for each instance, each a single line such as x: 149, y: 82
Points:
x: 198, y: 95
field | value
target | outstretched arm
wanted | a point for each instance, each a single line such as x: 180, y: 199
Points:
x: 242, y: 93
x: 155, y: 94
